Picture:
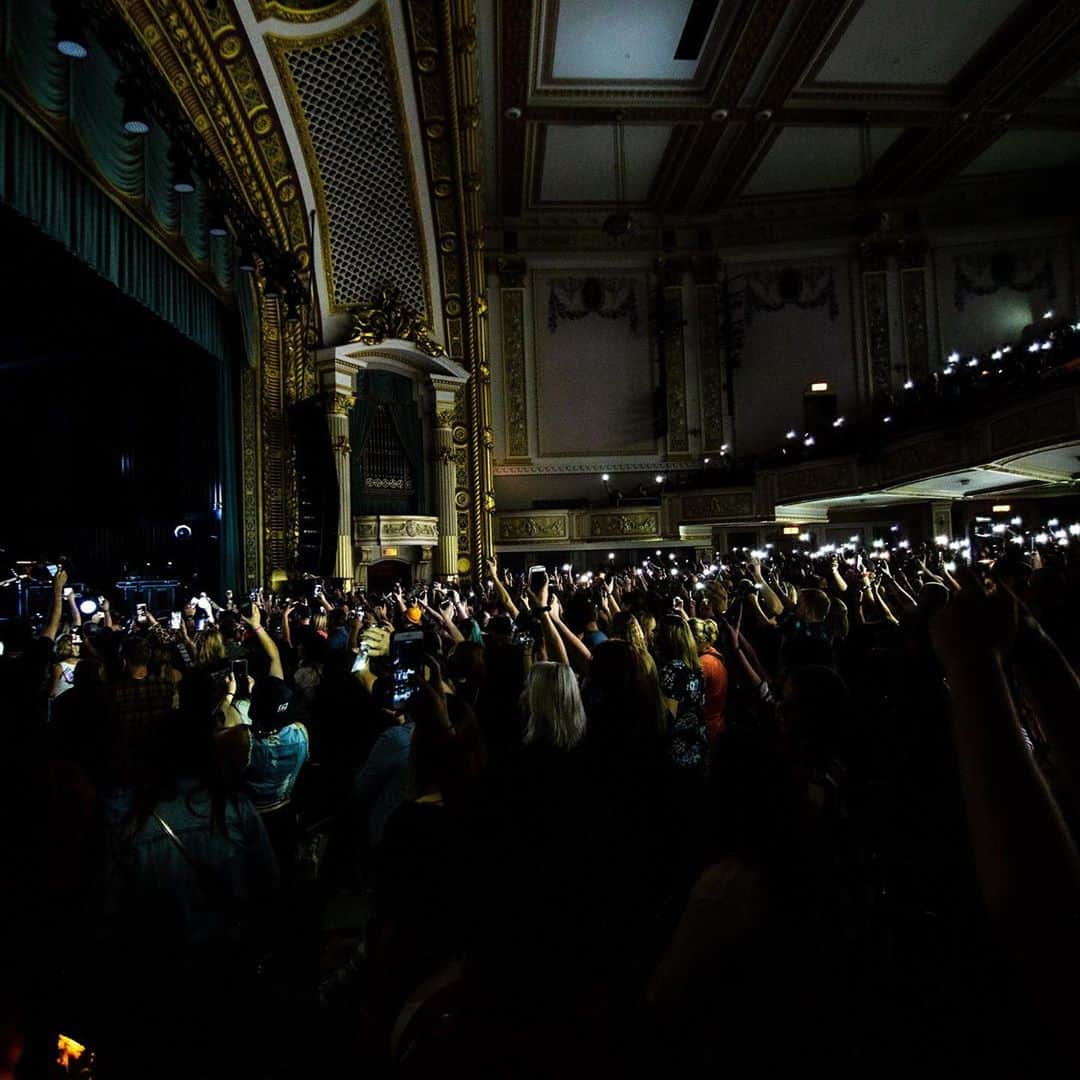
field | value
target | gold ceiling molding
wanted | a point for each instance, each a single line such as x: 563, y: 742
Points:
x: 335, y: 243
x: 388, y: 317
x: 299, y: 11
x: 204, y: 55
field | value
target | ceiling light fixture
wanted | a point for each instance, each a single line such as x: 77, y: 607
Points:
x: 71, y: 38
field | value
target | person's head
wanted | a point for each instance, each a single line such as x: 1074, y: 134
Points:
x: 647, y: 622
x: 717, y: 596
x: 580, y: 612
x: 272, y: 705
x: 312, y: 647
x: 837, y: 624
x: 209, y: 647
x: 933, y: 596
x: 500, y: 628
x: 135, y: 655
x: 625, y: 627
x: 622, y: 695
x: 67, y: 648
x: 302, y: 614
x: 230, y: 626
x: 445, y: 755
x: 812, y: 606
x: 675, y: 642
x: 704, y: 631
x: 555, y: 713
x: 335, y: 620
x: 466, y: 668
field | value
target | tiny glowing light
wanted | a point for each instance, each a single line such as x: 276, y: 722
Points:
x: 997, y: 354
x: 951, y: 567
x: 904, y: 544
x: 605, y: 477
x: 1042, y: 538
x: 181, y: 532
x: 949, y: 371
x: 804, y: 537
x: 819, y: 387
x: 853, y: 540
x: 1016, y: 539
x: 566, y: 567
x: 941, y: 541
x: 791, y: 530
x: 659, y: 478
x: 954, y: 358
x: 1033, y: 347
x: 808, y: 441
x: 1000, y: 528
x: 657, y: 551
x: 1053, y: 523
x: 706, y: 461
x: 674, y: 572
x: 671, y: 556
x: 838, y: 422
x: 894, y: 528
x: 973, y: 362
x: 1000, y: 508
x: 1047, y: 345
x: 1007, y: 349
x: 1060, y: 534
x: 1074, y: 529
x: 791, y: 434
x: 1063, y: 542
x: 910, y: 384
x: 1020, y: 521
x: 724, y: 448
x: 768, y: 547
x: 886, y: 419
x: 878, y: 543
x: 611, y: 554
x: 88, y: 606
x: 1048, y: 314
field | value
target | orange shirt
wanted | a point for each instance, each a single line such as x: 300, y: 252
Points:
x: 716, y: 683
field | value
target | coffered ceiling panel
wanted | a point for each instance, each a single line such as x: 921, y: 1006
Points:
x: 815, y: 159
x: 913, y: 42
x: 1019, y: 151
x: 626, y: 42
x: 578, y: 163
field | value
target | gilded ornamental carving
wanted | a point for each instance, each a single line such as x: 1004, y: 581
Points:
x: 389, y: 317
x: 728, y: 504
x: 533, y: 528
x: 640, y: 524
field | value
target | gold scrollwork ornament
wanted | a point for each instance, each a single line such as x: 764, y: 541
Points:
x: 388, y: 317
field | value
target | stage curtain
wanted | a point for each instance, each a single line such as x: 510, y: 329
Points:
x: 43, y: 186
x: 32, y: 50
x: 97, y: 116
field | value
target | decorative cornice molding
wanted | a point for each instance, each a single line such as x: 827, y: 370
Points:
x: 299, y: 11
x: 569, y: 468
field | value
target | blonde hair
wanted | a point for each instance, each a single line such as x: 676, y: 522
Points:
x: 556, y: 715
x: 676, y: 642
x: 65, y: 648
x: 626, y: 627
x: 705, y: 632
x: 209, y: 647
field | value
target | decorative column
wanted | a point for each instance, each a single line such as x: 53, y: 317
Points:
x: 337, y: 391
x: 445, y: 473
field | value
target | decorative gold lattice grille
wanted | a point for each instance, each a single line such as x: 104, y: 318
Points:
x: 357, y: 135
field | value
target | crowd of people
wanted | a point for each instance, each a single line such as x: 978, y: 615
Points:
x: 768, y: 810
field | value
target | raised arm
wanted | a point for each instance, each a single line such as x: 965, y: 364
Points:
x: 542, y: 605
x: 577, y: 652
x: 500, y: 588
x: 769, y: 600
x: 52, y: 627
x: 269, y: 646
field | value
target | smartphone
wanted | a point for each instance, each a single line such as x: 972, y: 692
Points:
x: 140, y: 610
x: 200, y: 623
x: 174, y: 621
x: 52, y: 568
x: 317, y: 590
x: 406, y: 664
x: 68, y: 592
x: 361, y: 661
x: 240, y: 674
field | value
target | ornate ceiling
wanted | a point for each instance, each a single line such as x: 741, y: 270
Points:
x: 777, y: 99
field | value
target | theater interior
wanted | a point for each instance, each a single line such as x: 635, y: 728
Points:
x: 630, y: 449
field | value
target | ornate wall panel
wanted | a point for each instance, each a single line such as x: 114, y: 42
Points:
x: 913, y: 307
x: 678, y: 437
x: 525, y: 527
x: 878, y: 348
x: 515, y: 405
x: 636, y: 524
x: 342, y: 91
x: 710, y: 370
x: 299, y: 11
x: 717, y: 505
